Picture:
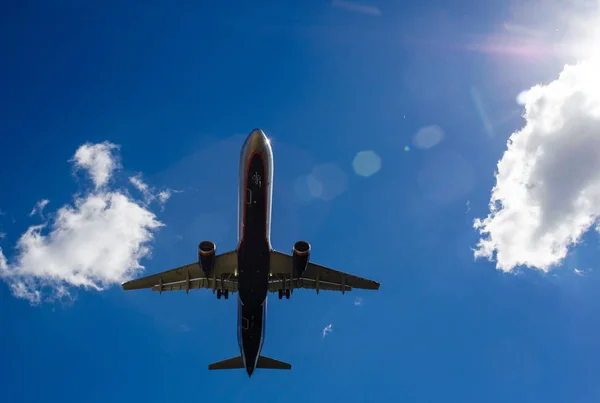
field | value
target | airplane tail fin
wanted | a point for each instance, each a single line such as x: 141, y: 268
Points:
x: 270, y: 363
x: 231, y: 363
x: 238, y: 363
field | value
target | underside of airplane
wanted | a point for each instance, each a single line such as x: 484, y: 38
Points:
x: 219, y: 274
x: 254, y: 268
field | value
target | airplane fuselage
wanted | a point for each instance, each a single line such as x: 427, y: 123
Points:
x: 254, y: 244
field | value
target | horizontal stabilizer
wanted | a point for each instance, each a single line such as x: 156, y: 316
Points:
x: 269, y: 363
x: 231, y: 363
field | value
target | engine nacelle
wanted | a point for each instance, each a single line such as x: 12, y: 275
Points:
x: 300, y: 257
x: 206, y: 256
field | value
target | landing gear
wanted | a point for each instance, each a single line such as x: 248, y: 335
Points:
x: 224, y: 293
x: 284, y: 292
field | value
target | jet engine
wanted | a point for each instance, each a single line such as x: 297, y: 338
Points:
x: 300, y: 257
x: 206, y: 256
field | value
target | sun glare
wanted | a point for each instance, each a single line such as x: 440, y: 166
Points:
x: 567, y: 33
x: 583, y: 41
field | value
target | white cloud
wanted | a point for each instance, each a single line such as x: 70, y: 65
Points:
x: 96, y: 242
x: 150, y: 193
x: 24, y: 290
x: 578, y: 272
x: 547, y: 192
x: 328, y: 329
x: 39, y: 207
x: 137, y: 182
x: 99, y: 160
x: 356, y: 7
x: 358, y: 301
x: 2, y: 235
x: 165, y: 195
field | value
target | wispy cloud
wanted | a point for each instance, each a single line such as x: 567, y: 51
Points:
x: 328, y: 329
x: 356, y: 7
x: 95, y: 242
x: 165, y: 195
x: 358, y: 301
x: 39, y: 208
x: 150, y: 194
x: 137, y: 182
x: 99, y: 160
x: 582, y: 272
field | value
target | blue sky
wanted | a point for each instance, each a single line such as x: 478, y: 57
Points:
x: 430, y: 88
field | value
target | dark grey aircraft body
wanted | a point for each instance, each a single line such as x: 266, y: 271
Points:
x: 254, y: 268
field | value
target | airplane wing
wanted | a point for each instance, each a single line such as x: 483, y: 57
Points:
x: 191, y: 276
x: 316, y: 277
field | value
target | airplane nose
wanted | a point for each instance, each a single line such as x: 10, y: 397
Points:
x: 255, y: 140
x: 257, y: 134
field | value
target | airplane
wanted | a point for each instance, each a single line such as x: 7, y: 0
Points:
x: 254, y: 268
